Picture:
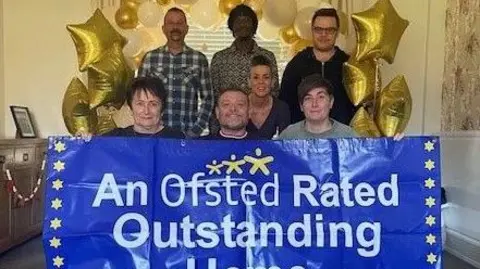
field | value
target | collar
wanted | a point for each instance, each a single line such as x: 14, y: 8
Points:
x: 233, y: 136
x: 185, y: 48
x: 255, y: 47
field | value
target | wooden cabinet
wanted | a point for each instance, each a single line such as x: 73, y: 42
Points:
x: 23, y: 158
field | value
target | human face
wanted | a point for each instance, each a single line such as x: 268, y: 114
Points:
x: 324, y: 33
x: 232, y: 111
x: 243, y: 27
x: 146, y: 109
x: 175, y: 26
x: 260, y: 80
x: 316, y: 105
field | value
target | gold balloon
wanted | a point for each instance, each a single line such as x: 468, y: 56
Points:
x: 163, y: 2
x: 394, y: 107
x: 93, y: 38
x: 105, y: 120
x: 298, y: 46
x: 379, y: 30
x: 364, y: 125
x: 256, y: 5
x: 288, y: 35
x: 130, y: 3
x: 126, y: 17
x: 359, y: 80
x: 108, y: 79
x: 185, y: 2
x: 226, y: 6
x: 75, y: 109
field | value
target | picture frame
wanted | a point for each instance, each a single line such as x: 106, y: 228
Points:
x: 23, y: 122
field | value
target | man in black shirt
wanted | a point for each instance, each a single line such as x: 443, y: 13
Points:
x: 232, y: 114
x: 323, y: 58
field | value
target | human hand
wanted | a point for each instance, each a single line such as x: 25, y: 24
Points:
x: 82, y: 134
x: 398, y: 136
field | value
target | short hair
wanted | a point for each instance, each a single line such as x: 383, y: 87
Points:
x: 311, y: 82
x: 176, y: 9
x: 260, y: 60
x: 242, y: 10
x: 153, y: 85
x: 222, y: 91
x: 326, y: 12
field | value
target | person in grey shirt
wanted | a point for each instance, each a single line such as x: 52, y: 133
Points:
x: 315, y: 95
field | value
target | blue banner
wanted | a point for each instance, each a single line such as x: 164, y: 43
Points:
x: 297, y: 204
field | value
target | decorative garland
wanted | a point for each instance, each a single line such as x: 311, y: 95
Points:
x: 11, y: 188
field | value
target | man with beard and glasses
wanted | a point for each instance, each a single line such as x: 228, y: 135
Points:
x: 232, y: 113
x: 231, y: 67
x: 186, y: 77
x: 325, y: 59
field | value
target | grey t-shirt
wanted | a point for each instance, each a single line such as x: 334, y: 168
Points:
x: 298, y: 131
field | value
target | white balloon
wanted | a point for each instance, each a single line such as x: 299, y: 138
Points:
x: 205, y: 13
x: 301, y: 4
x: 134, y: 45
x: 324, y: 5
x: 303, y: 22
x: 341, y: 42
x: 280, y: 13
x: 153, y: 38
x: 150, y: 14
x: 267, y: 31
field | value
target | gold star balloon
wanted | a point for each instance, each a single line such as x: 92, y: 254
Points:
x: 394, y: 107
x: 359, y: 80
x: 364, y: 125
x: 379, y: 30
x: 77, y: 115
x: 93, y: 38
x: 105, y: 120
x: 109, y: 78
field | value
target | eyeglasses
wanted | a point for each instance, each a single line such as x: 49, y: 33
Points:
x: 320, y: 30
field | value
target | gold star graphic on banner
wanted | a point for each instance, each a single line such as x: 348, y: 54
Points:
x: 430, y: 165
x: 259, y: 163
x: 430, y: 220
x: 214, y: 168
x: 431, y: 239
x: 429, y: 146
x: 431, y: 258
x: 430, y: 201
x: 58, y: 261
x: 234, y: 165
x: 59, y: 166
x: 60, y: 146
x: 429, y: 183
x: 55, y: 242
x: 57, y: 203
x: 55, y: 223
x: 57, y: 184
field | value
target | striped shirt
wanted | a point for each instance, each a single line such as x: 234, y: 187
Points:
x: 186, y: 78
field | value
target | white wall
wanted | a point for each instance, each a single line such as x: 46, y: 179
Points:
x: 2, y: 87
x: 39, y: 59
x: 420, y: 58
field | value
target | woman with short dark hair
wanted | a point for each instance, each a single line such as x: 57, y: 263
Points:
x: 146, y: 99
x: 268, y: 115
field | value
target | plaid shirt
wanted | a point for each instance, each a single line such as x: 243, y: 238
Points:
x: 186, y: 77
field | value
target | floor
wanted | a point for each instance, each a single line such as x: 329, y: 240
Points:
x: 30, y: 256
